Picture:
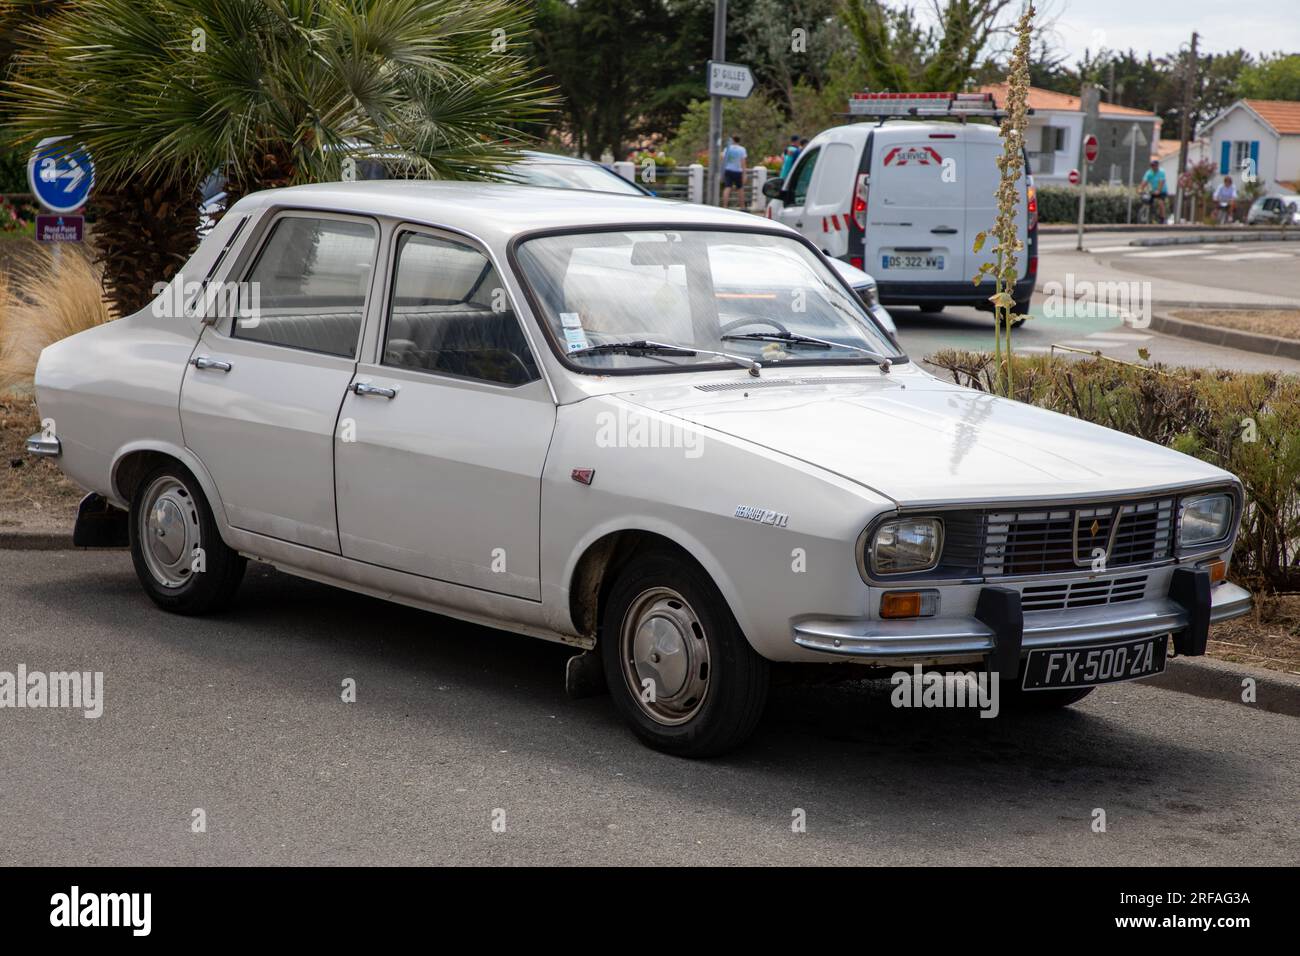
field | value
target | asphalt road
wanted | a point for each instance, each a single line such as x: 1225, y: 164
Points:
x: 1226, y: 275
x: 241, y: 716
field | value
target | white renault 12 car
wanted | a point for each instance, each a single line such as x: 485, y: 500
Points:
x: 667, y: 435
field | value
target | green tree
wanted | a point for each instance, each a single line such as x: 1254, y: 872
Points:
x: 1275, y: 77
x: 757, y: 120
x: 272, y: 92
x: 899, y: 54
x: 789, y: 42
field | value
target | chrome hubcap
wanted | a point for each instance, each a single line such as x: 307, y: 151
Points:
x: 169, y: 531
x: 665, y: 656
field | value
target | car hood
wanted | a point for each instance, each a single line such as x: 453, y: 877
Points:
x: 918, y: 440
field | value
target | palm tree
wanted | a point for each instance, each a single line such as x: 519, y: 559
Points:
x: 272, y: 92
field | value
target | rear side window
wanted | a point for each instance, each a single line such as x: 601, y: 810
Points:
x: 311, y: 279
x: 450, y: 314
x: 803, y: 177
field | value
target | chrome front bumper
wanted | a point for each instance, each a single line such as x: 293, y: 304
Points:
x: 961, y: 639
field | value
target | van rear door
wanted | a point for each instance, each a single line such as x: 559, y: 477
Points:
x: 916, y: 211
x: 983, y: 147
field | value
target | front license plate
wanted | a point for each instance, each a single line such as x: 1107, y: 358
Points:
x: 933, y: 263
x: 1052, y: 668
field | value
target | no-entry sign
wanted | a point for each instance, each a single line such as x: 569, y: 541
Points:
x: 1074, y: 177
x: 1090, y: 148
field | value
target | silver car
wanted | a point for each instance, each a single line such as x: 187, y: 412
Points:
x: 667, y: 435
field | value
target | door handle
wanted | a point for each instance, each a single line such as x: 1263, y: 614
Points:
x: 362, y: 388
x: 202, y: 361
x: 944, y: 231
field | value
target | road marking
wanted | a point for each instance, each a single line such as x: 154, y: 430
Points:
x: 1125, y: 248
x: 1167, y: 253
x: 1245, y: 256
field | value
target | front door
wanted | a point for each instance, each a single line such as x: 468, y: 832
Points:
x: 262, y: 392
x: 441, y: 442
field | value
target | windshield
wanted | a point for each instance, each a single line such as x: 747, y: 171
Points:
x: 753, y: 296
x: 573, y: 176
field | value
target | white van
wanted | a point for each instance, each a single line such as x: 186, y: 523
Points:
x: 904, y: 199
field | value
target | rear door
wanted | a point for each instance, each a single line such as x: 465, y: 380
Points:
x: 262, y: 392
x: 983, y: 147
x: 916, y: 215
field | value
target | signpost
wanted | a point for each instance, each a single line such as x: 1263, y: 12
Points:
x: 61, y: 180
x: 733, y: 80
x: 1133, y: 139
x: 1089, y: 154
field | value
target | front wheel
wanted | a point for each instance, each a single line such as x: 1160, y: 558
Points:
x: 681, y: 672
x: 176, y: 548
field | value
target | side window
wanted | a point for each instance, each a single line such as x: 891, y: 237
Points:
x: 449, y: 313
x: 311, y: 279
x: 802, y: 176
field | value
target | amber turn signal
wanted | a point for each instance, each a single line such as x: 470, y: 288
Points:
x: 900, y: 604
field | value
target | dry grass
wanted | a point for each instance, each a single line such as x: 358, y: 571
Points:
x: 43, y: 300
x: 34, y: 494
x: 1284, y: 323
x: 1267, y: 637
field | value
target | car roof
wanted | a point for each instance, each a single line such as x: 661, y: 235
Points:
x: 908, y: 128
x: 497, y: 212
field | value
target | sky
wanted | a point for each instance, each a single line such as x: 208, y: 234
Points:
x: 1160, y: 26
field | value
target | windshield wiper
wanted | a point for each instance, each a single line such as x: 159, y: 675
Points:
x: 646, y: 347
x: 793, y: 338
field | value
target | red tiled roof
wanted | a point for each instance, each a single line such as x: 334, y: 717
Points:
x: 1048, y: 100
x: 1282, y: 115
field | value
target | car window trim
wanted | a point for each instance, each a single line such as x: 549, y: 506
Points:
x: 252, y: 250
x: 539, y: 314
x: 390, y: 283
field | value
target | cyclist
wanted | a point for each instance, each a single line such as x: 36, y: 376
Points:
x: 1155, y: 183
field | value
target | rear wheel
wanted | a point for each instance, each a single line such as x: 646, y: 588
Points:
x: 177, y: 551
x: 681, y: 672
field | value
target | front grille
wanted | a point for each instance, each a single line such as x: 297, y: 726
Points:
x: 1098, y: 537
x: 1061, y: 597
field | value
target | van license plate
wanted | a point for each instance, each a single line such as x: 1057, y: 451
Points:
x: 934, y: 263
x: 1089, y: 666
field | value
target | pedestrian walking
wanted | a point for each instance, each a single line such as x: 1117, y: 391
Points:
x: 733, y: 170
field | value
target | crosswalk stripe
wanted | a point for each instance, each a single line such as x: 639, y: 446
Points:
x: 1167, y: 253
x: 1246, y: 256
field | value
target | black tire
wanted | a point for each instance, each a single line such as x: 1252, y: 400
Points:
x: 1014, y: 698
x: 185, y: 512
x: 932, y: 308
x: 735, y: 691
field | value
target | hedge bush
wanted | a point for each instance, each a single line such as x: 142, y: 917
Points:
x: 1247, y: 423
x: 1105, y: 204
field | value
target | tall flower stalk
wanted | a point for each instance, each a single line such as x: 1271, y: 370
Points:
x: 1011, y: 168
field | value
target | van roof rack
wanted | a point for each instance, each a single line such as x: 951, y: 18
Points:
x: 959, y: 106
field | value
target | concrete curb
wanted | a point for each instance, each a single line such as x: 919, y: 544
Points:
x: 1290, y: 236
x: 1059, y: 228
x: 1229, y: 338
x: 37, y: 541
x: 1275, y: 692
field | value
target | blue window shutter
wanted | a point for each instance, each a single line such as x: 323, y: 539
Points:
x: 1225, y: 157
x: 1254, y: 157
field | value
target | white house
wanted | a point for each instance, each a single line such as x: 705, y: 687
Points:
x: 1257, y: 136
x: 1055, y: 130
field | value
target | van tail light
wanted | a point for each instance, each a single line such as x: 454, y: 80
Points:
x: 1033, y: 265
x: 1033, y: 206
x: 860, y: 202
x: 855, y: 261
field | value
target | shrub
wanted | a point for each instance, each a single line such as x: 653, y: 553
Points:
x: 1106, y: 204
x: 1247, y: 423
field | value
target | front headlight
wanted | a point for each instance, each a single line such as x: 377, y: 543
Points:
x: 869, y: 295
x: 906, y: 544
x: 1204, y: 519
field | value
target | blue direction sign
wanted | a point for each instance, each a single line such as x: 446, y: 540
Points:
x: 61, y: 180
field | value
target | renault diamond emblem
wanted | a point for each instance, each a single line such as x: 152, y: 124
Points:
x: 1096, y: 526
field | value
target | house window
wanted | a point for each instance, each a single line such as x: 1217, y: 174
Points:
x: 1053, y: 139
x: 1240, y: 154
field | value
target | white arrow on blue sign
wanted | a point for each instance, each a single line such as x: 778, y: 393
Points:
x: 61, y: 180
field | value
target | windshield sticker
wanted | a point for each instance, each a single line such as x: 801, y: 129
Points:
x: 575, y: 339
x: 571, y: 320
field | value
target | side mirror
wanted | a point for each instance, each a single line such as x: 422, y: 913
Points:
x: 772, y: 188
